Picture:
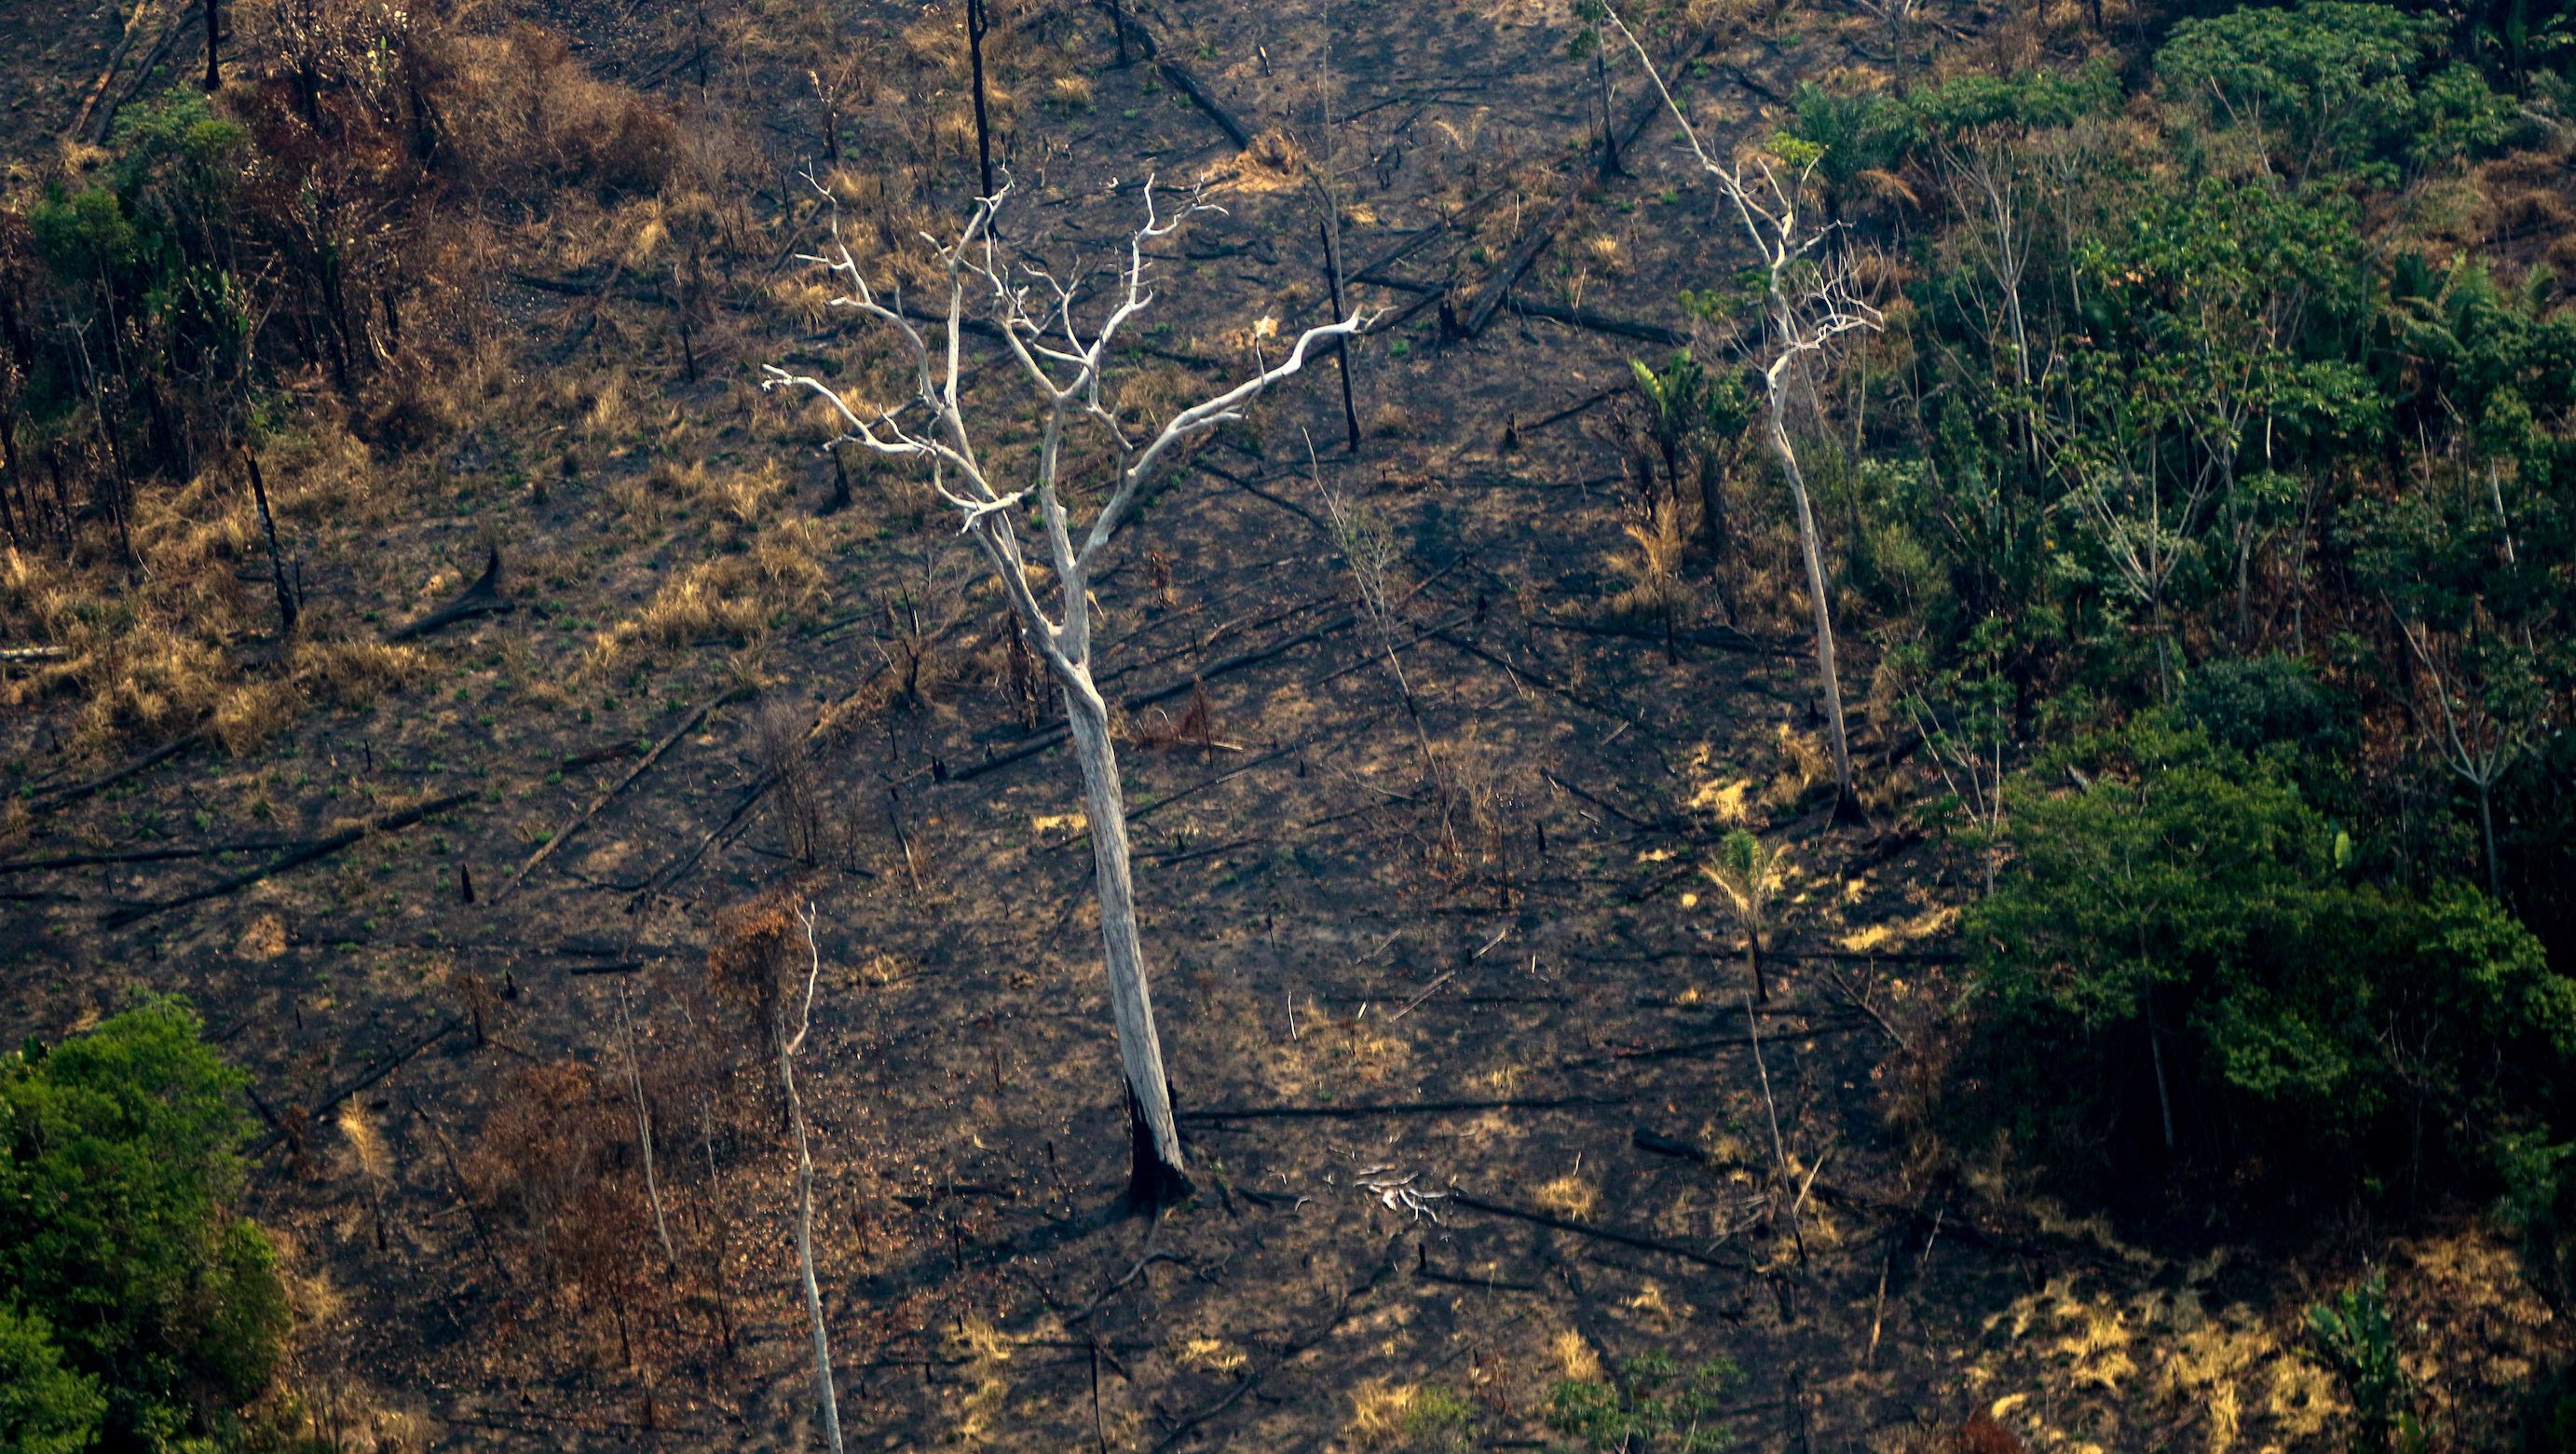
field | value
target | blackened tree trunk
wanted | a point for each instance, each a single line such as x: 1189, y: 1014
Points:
x: 976, y: 24
x: 286, y: 603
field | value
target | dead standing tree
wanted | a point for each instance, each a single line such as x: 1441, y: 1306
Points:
x: 1808, y: 300
x: 1035, y: 318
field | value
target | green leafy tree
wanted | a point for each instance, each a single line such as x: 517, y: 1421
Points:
x: 119, y: 1177
x: 2327, y: 83
x: 2336, y: 90
x: 2184, y: 941
x: 1746, y: 870
x: 1689, y: 406
x: 45, y: 1408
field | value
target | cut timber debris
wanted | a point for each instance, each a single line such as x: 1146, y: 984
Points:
x: 1180, y: 76
x: 1489, y: 300
x: 46, y: 802
x: 1587, y: 1229
x: 483, y: 598
x: 575, y: 824
x: 319, y: 848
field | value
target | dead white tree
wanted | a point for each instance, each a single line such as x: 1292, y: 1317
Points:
x: 1064, y: 363
x: 788, y: 1045
x: 1809, y: 299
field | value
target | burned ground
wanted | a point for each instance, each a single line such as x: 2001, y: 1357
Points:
x: 1476, y: 1094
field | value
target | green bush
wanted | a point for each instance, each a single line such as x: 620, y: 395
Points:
x: 2182, y: 954
x: 2355, y: 1338
x: 44, y: 1407
x: 1648, y: 1402
x: 120, y: 1172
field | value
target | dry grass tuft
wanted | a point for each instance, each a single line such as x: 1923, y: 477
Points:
x: 739, y: 598
x: 354, y: 673
x: 1273, y: 163
x: 1570, y: 1197
x: 1382, y: 1413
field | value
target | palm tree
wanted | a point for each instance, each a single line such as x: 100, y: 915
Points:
x: 1746, y: 870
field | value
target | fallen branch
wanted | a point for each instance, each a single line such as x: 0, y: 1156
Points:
x: 1296, y: 1344
x: 319, y: 848
x: 1393, y: 1108
x: 1031, y: 746
x: 1523, y: 673
x: 48, y: 801
x: 1587, y: 1229
x: 687, y: 724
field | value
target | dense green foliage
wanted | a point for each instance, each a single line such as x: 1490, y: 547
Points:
x: 2187, y: 951
x: 2225, y: 520
x: 142, y: 1303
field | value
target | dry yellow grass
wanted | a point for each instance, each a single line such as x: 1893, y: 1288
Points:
x: 733, y: 597
x: 1569, y: 1196
x: 1380, y: 1413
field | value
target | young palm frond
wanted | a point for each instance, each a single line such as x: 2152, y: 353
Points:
x: 1746, y: 870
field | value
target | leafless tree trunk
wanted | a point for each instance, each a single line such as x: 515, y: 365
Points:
x: 2478, y: 743
x: 788, y: 1045
x: 976, y: 25
x: 1809, y: 301
x: 286, y: 602
x: 644, y: 1130
x: 1036, y: 317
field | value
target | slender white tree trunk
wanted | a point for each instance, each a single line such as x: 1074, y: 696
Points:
x: 824, y: 1397
x: 1807, y: 544
x: 1157, y: 1174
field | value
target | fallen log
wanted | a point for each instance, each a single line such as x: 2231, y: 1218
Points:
x: 578, y: 820
x: 1588, y: 1229
x: 46, y: 802
x: 319, y: 848
x: 382, y: 1068
x: 1722, y: 638
x: 144, y: 855
x: 1604, y: 323
x: 1393, y: 1108
x: 1489, y: 300
x: 1181, y: 76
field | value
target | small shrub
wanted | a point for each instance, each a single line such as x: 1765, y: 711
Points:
x: 1649, y: 1403
x: 2354, y: 1336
